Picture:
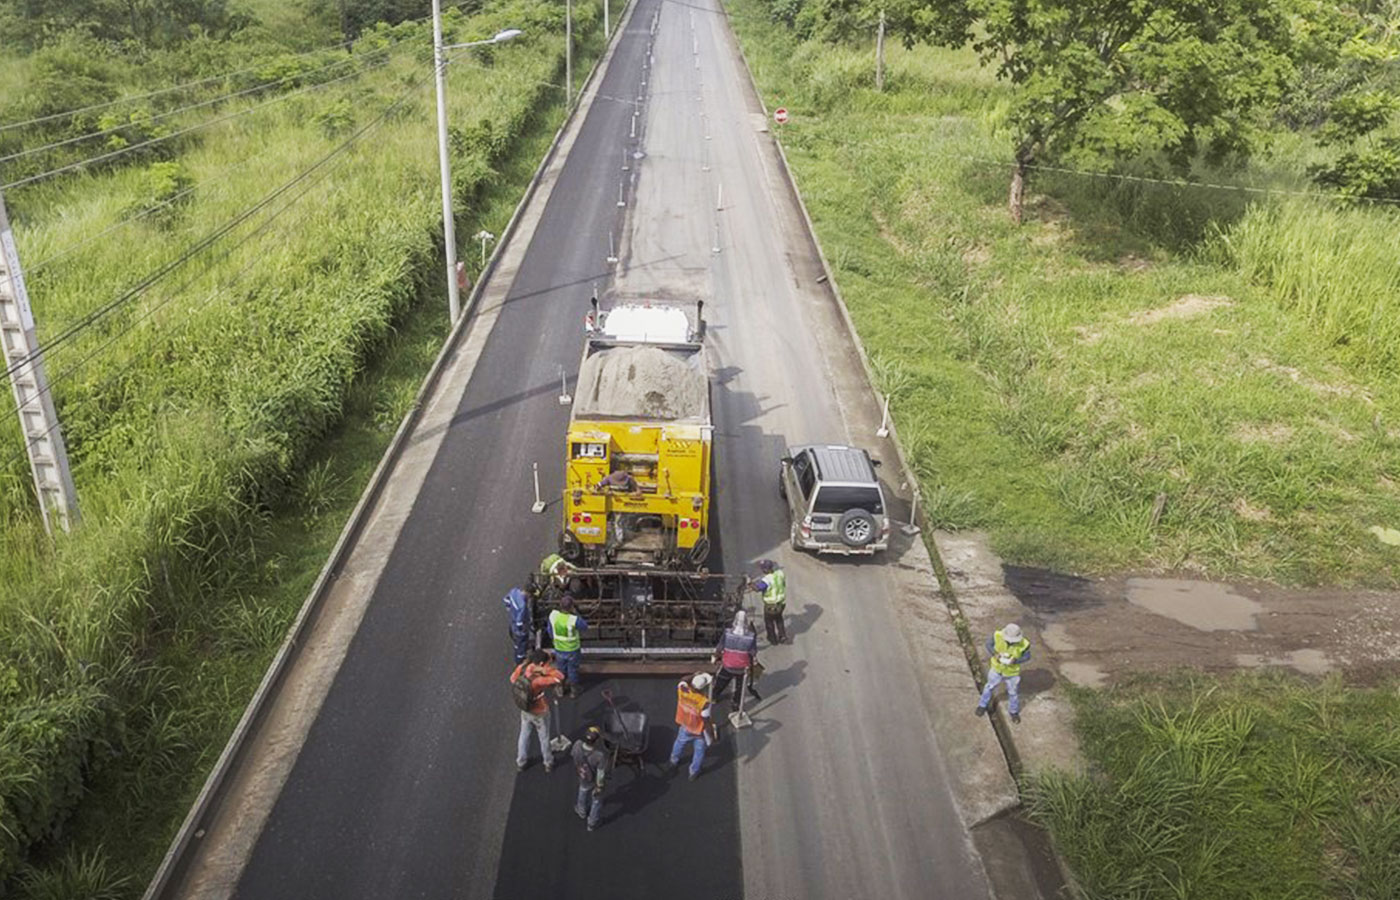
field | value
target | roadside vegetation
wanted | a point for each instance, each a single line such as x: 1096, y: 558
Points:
x: 1251, y: 786
x: 222, y: 423
x: 1188, y: 370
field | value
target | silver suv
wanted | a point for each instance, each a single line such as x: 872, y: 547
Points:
x: 834, y: 499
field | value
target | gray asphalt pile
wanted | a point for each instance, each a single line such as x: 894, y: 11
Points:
x: 641, y: 383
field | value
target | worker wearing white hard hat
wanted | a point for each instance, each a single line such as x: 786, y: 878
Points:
x: 693, y: 717
x: 1009, y: 650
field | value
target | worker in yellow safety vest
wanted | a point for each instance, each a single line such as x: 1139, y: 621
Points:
x: 565, y: 630
x: 1010, y: 650
x: 556, y: 569
x: 772, y: 584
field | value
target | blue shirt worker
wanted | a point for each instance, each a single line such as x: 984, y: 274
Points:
x: 518, y: 608
x: 773, y: 586
x: 565, y: 630
x: 1010, y: 650
x: 737, y: 652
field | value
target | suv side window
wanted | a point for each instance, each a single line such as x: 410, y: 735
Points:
x: 805, y: 477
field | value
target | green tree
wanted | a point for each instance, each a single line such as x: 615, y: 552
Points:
x: 1359, y: 122
x: 1119, y: 78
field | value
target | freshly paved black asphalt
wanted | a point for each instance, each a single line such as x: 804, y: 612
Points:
x: 416, y: 739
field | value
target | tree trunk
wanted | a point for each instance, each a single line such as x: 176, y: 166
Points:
x: 1018, y: 191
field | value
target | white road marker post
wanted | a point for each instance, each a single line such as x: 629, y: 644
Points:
x: 564, y: 398
x: 483, y: 235
x: 884, y: 429
x: 912, y: 527
x: 634, y: 125
x: 538, y: 507
x: 625, y: 166
x: 715, y: 248
x: 719, y: 199
x: 612, y: 253
x: 620, y: 185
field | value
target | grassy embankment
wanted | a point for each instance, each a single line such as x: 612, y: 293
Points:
x: 1232, y: 354
x: 219, y: 446
x: 1255, y: 786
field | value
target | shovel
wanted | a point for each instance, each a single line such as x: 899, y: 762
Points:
x: 559, y: 743
x: 739, y: 718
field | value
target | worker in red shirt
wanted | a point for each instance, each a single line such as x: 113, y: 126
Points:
x: 542, y: 679
x: 693, y: 717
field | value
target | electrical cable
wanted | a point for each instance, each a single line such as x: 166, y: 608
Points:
x: 30, y: 151
x: 261, y: 228
x: 73, y: 247
x: 91, y: 318
x: 38, y: 120
x: 206, y: 124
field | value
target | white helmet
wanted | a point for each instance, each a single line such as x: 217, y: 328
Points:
x: 1012, y: 633
x: 700, y: 680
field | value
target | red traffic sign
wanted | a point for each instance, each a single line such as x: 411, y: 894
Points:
x: 780, y: 115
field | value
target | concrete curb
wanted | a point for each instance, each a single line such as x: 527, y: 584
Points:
x: 211, y: 794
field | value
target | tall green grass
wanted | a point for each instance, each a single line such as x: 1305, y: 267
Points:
x: 1257, y: 786
x: 199, y: 416
x: 1131, y: 342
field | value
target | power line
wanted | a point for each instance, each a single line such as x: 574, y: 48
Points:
x: 334, y: 155
x: 208, y: 240
x: 215, y: 121
x: 38, y: 120
x: 134, y: 217
x: 30, y: 151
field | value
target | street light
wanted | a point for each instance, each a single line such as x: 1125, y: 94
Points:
x: 449, y: 234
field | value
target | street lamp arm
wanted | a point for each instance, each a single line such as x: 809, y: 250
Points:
x: 500, y: 38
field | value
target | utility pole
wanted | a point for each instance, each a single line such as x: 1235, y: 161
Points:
x: 449, y: 228
x: 568, y: 52
x: 880, y: 55
x: 38, y: 420
x: 607, y: 30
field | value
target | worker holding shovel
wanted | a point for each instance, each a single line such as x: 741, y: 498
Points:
x: 737, y: 654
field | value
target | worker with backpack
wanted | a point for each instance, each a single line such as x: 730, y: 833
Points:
x: 530, y: 687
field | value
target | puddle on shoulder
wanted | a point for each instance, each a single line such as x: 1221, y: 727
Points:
x: 1203, y: 605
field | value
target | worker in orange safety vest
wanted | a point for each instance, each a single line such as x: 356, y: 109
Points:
x: 693, y: 717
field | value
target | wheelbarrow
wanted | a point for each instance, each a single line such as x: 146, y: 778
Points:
x: 625, y: 731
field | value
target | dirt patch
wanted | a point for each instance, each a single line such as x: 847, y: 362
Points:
x: 1262, y: 433
x: 1249, y: 512
x: 1312, y: 384
x: 1203, y: 605
x: 1187, y: 307
x: 1131, y: 262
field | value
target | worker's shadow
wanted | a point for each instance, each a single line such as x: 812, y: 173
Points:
x: 802, y: 622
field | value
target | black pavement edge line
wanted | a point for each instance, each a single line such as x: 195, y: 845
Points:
x: 176, y: 858
x: 945, y: 584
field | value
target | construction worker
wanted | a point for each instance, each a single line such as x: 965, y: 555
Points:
x: 590, y: 757
x: 772, y: 584
x: 619, y: 480
x: 1009, y: 650
x: 736, y: 654
x: 693, y: 717
x: 565, y: 628
x: 518, y: 608
x: 556, y: 570
x: 541, y: 678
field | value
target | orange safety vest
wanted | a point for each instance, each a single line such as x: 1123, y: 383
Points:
x: 690, y: 707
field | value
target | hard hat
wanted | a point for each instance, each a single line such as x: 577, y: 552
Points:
x: 591, y: 735
x: 700, y: 680
x: 767, y: 565
x: 1012, y: 633
x: 741, y: 622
